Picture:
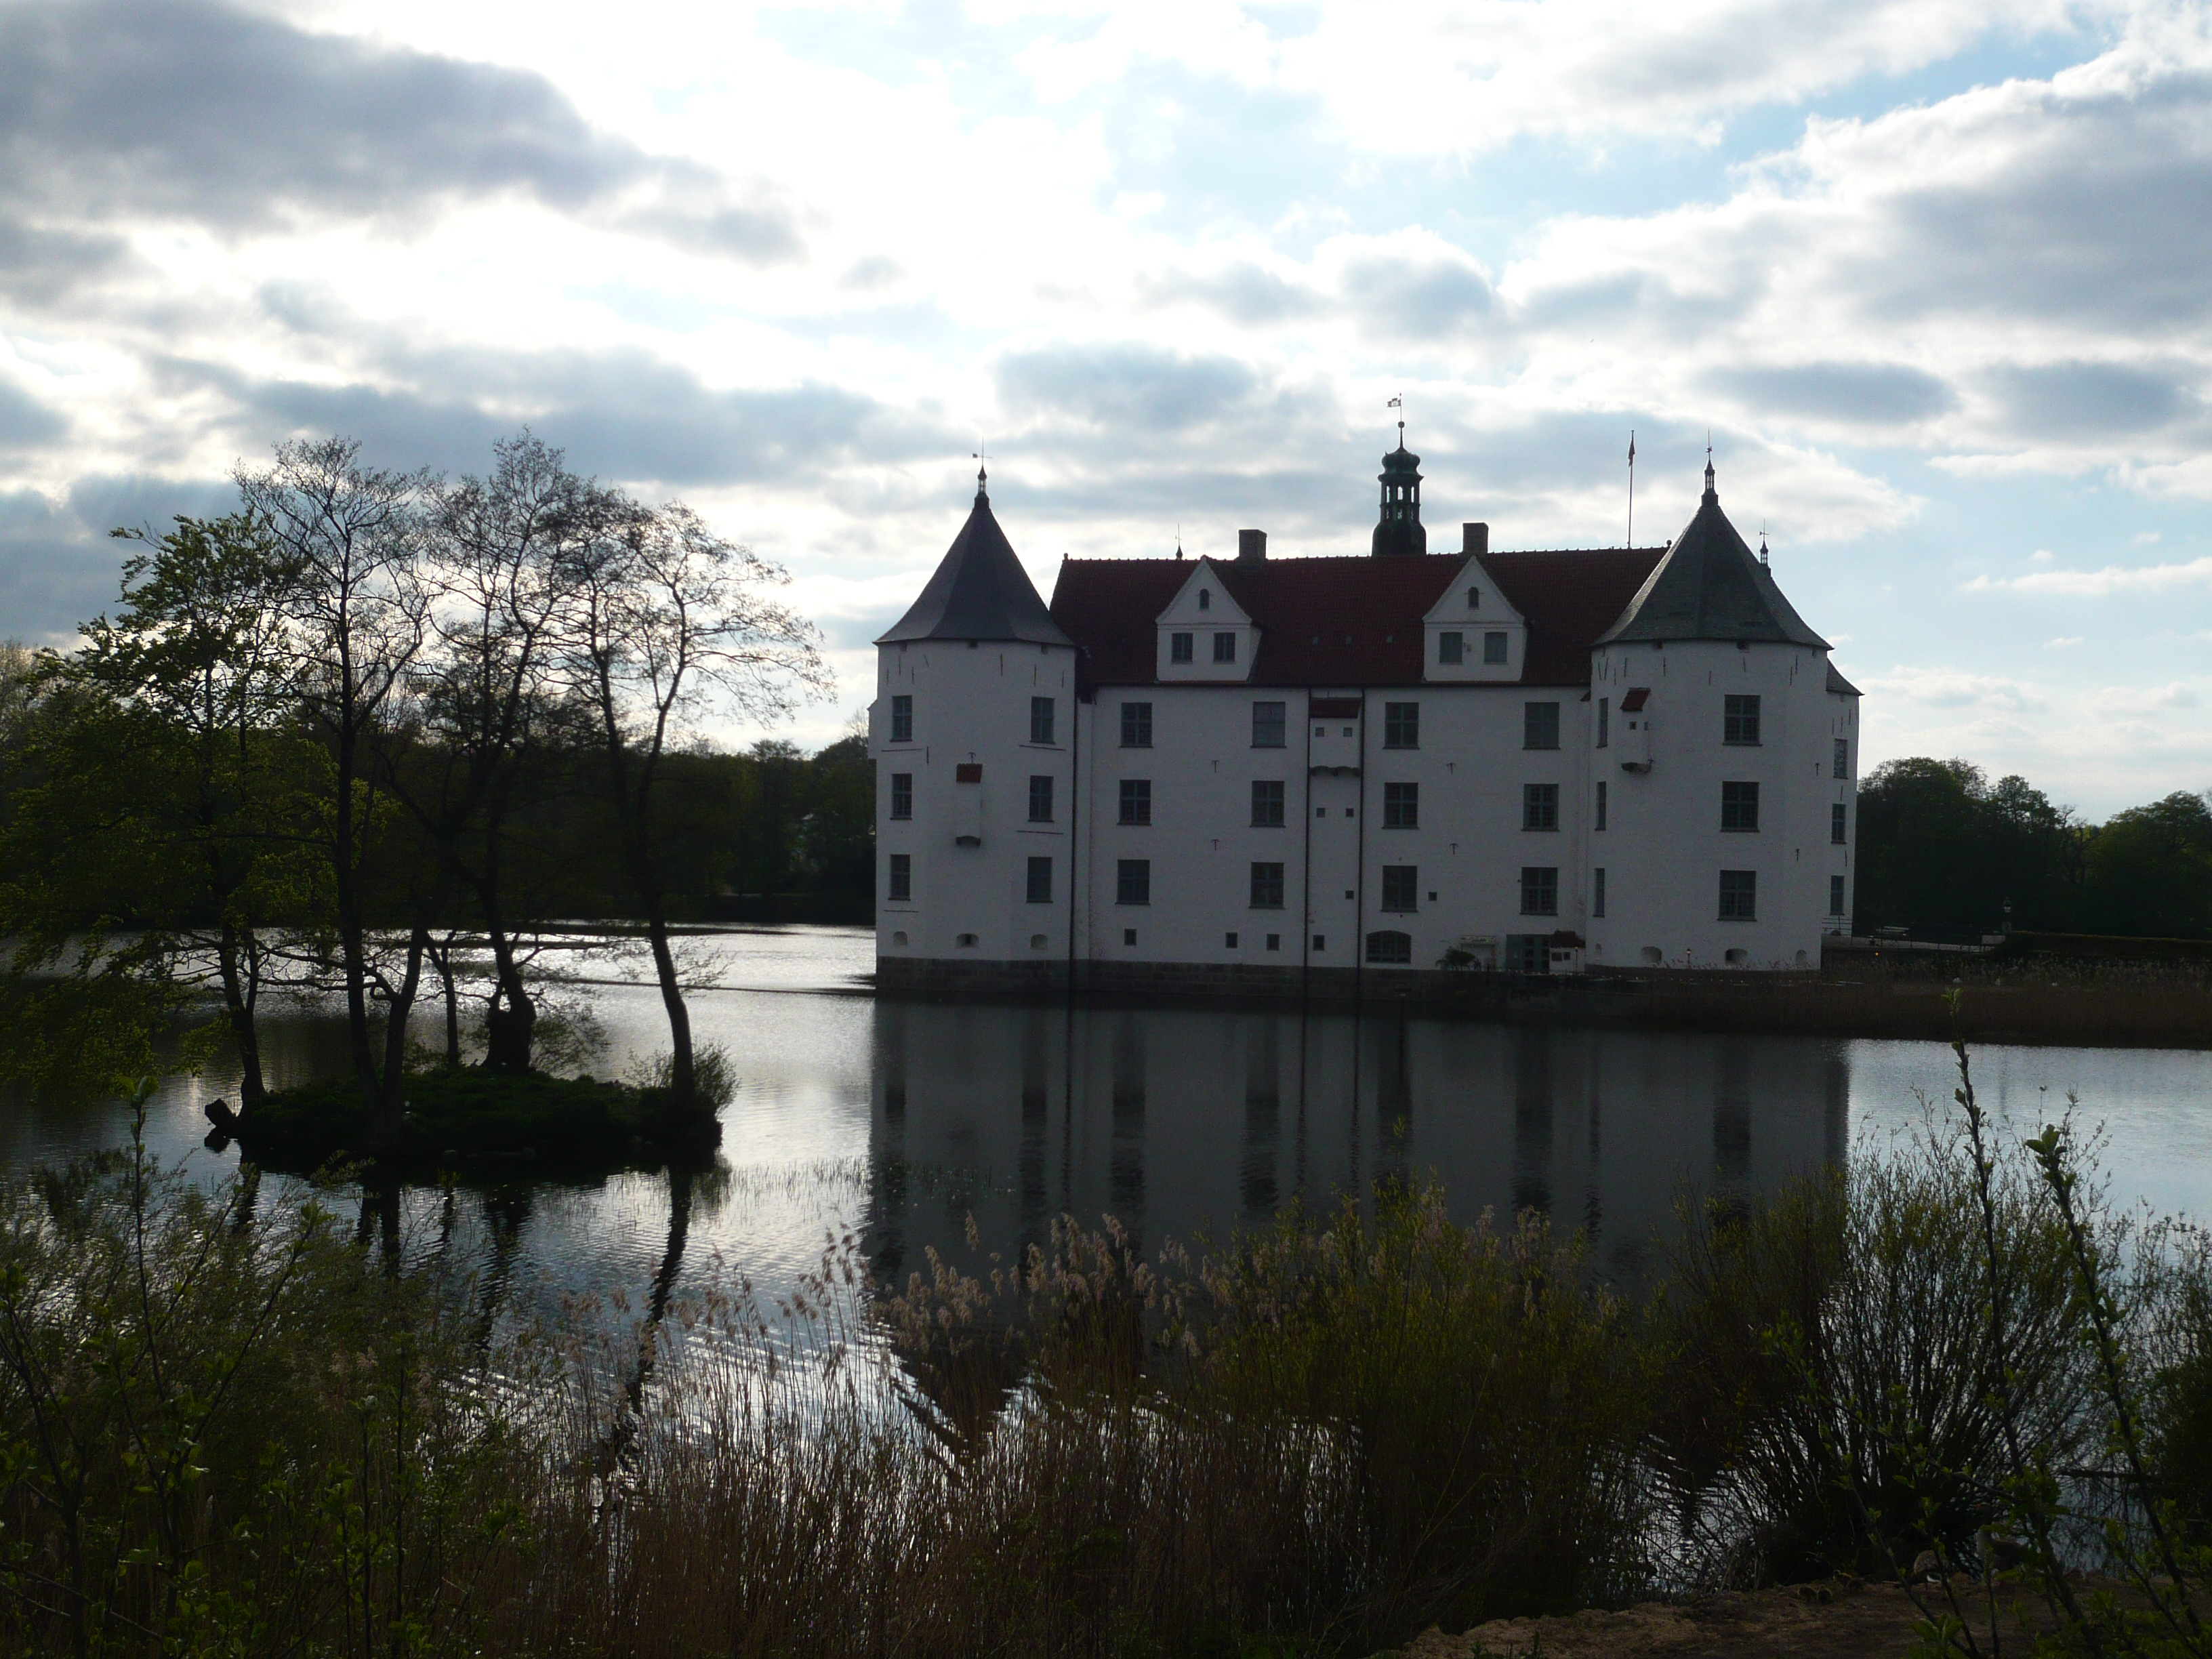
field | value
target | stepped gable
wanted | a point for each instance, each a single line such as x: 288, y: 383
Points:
x: 1347, y: 622
x: 1710, y: 586
x: 980, y: 591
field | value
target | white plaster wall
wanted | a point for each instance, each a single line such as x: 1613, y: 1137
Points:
x: 1469, y: 847
x: 1202, y: 843
x: 1664, y: 848
x: 971, y: 703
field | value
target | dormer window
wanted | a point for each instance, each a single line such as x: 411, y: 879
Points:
x: 1205, y: 599
x: 1224, y: 647
x: 1179, y: 647
x: 1475, y: 598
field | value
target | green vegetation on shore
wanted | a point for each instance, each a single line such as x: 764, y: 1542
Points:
x: 224, y: 1431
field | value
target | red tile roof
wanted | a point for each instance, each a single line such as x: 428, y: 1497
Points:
x: 1347, y: 620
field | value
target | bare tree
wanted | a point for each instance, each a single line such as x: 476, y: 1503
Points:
x: 666, y: 619
x: 500, y: 549
x: 357, y: 611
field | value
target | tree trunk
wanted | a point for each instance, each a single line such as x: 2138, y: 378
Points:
x: 514, y: 1017
x: 683, y: 1085
x: 352, y: 946
x: 391, y: 1100
x: 442, y: 960
x: 238, y: 1004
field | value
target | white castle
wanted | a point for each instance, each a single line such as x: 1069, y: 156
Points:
x: 1267, y: 774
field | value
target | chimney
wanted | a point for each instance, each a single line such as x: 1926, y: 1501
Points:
x: 1474, y: 539
x: 1251, y: 546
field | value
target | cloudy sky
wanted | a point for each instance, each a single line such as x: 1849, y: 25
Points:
x: 1934, y: 273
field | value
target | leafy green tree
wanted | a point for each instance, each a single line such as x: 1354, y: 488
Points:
x: 159, y: 836
x: 1940, y: 847
x: 2150, y: 870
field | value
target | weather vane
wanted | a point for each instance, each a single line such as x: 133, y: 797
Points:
x: 1399, y: 403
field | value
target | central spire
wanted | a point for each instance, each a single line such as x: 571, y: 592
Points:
x: 1398, y: 525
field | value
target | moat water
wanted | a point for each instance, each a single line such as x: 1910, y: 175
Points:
x: 897, y: 1121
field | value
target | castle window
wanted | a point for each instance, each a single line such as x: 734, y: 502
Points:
x: 1401, y: 726
x: 1540, y: 807
x: 1179, y: 647
x: 1739, y: 896
x: 1267, y: 803
x: 1401, y: 806
x: 1136, y: 800
x: 1274, y: 941
x: 901, y: 795
x: 1604, y: 722
x: 1224, y: 647
x: 1540, y: 726
x: 1132, y: 882
x: 1539, y: 890
x: 1136, y: 726
x: 1451, y: 649
x: 1839, y: 823
x: 1740, y: 807
x: 1205, y: 599
x: 901, y: 720
x: 1843, y: 762
x: 1040, y: 881
x: 1040, y: 721
x: 1400, y: 885
x: 1229, y: 941
x: 1597, y: 893
x: 1040, y: 800
x: 1267, y: 725
x: 1835, y: 895
x: 1493, y: 648
x: 1266, y: 886
x: 1389, y: 945
x: 1597, y: 817
x: 1739, y: 720
x: 902, y: 881
x: 1475, y: 598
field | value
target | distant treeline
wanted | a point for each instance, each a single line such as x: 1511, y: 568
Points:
x: 1942, y: 848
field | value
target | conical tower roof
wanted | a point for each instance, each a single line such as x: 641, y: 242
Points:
x: 1710, y: 587
x: 980, y: 591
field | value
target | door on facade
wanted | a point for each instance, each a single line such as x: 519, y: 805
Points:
x: 1528, y: 953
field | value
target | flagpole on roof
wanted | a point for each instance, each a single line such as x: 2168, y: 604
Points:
x: 1632, y: 486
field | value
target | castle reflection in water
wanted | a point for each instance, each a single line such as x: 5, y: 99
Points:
x: 1181, y: 1122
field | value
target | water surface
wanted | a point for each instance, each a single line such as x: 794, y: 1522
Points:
x: 900, y: 1120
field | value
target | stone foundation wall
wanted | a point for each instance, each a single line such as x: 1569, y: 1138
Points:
x: 1169, y: 981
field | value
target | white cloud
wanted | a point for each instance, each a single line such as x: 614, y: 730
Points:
x: 1958, y: 689
x: 2098, y: 584
x: 2062, y: 642
x: 2042, y: 555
